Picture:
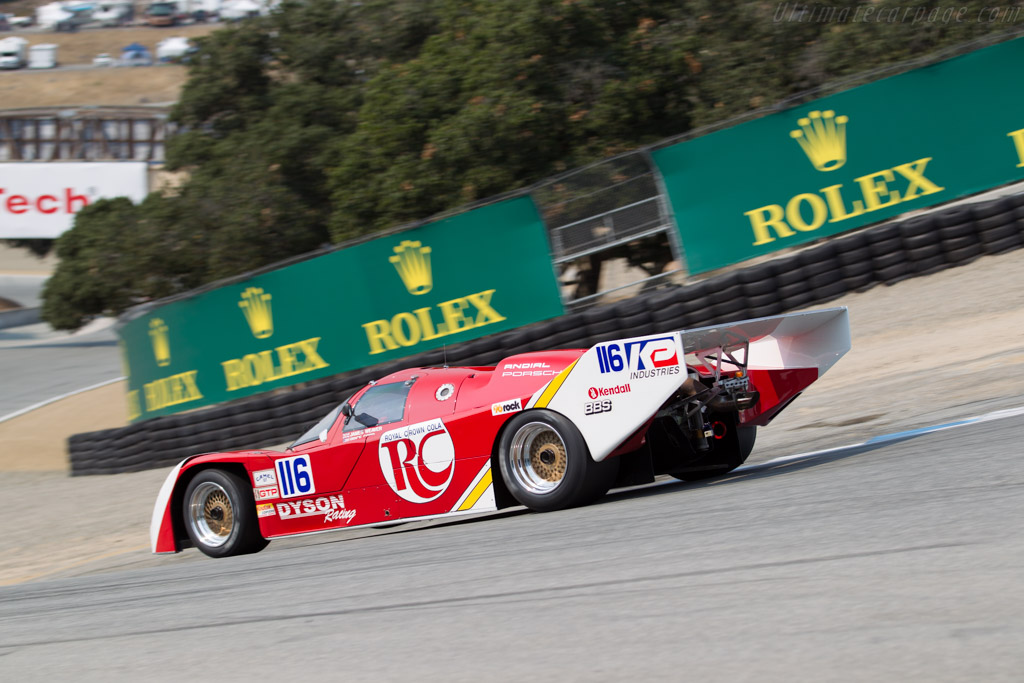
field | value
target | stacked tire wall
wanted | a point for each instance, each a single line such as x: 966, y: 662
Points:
x: 884, y: 255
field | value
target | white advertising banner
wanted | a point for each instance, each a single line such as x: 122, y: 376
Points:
x: 40, y: 199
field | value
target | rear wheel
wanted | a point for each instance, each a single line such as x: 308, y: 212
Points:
x: 220, y: 514
x: 546, y: 464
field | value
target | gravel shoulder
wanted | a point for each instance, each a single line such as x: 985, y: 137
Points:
x: 925, y: 351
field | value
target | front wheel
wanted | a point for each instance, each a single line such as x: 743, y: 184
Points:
x: 220, y: 514
x: 546, y: 463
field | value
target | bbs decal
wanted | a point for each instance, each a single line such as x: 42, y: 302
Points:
x: 597, y: 407
x: 295, y: 476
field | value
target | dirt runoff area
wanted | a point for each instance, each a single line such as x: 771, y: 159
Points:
x: 925, y: 351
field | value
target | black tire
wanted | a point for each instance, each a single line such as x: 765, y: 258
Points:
x: 794, y: 289
x: 890, y: 275
x: 997, y: 221
x: 918, y: 225
x: 914, y: 242
x: 955, y: 215
x: 852, y: 256
x: 992, y: 207
x: 887, y: 259
x: 860, y: 282
x: 759, y: 288
x: 773, y: 308
x: 929, y: 265
x: 797, y: 300
x: 950, y: 232
x: 952, y: 244
x: 852, y: 242
x: 546, y: 465
x: 824, y: 279
x: 855, y: 269
x: 998, y: 233
x: 830, y: 291
x: 1003, y: 245
x: 219, y: 514
x: 760, y: 300
x: 965, y: 254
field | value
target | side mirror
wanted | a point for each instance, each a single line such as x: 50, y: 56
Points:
x: 346, y: 410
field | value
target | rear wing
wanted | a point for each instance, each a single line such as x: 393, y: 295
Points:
x: 615, y: 387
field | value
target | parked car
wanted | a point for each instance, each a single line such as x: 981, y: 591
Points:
x: 162, y: 14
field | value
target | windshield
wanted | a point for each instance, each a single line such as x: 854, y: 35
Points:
x: 381, y: 404
x: 314, y: 432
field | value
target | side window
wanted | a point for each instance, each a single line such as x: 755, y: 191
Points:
x: 381, y: 404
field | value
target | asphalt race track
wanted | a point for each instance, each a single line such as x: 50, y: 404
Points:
x: 37, y: 366
x: 898, y: 560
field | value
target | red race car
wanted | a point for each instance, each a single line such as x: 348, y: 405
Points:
x: 548, y: 430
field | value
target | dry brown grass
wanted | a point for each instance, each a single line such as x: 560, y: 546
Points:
x: 112, y: 86
x: 101, y: 86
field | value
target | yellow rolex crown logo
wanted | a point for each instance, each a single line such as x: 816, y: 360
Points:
x: 255, y: 304
x: 822, y: 135
x: 161, y: 342
x: 412, y: 261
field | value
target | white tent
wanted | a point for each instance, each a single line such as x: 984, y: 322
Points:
x: 50, y: 15
x: 42, y: 56
x: 239, y: 9
x: 172, y: 48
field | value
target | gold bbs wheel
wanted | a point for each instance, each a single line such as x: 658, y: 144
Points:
x: 211, y: 514
x: 538, y: 458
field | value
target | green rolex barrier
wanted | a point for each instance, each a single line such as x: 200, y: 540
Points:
x: 449, y: 281
x: 844, y: 161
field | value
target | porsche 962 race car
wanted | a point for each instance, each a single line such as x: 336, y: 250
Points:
x: 547, y: 430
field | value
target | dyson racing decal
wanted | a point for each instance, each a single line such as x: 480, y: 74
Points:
x: 331, y: 508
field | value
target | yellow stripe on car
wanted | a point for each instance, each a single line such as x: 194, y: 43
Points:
x: 478, y: 490
x: 554, y: 386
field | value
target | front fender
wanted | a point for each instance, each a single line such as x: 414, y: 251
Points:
x: 161, y: 527
x: 162, y: 538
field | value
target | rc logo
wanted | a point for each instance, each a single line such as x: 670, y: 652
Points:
x: 255, y: 305
x: 412, y: 261
x: 161, y: 343
x: 643, y: 358
x: 418, y: 461
x: 822, y: 136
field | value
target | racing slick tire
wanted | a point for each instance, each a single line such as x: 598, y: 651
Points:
x: 219, y: 513
x: 546, y: 465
